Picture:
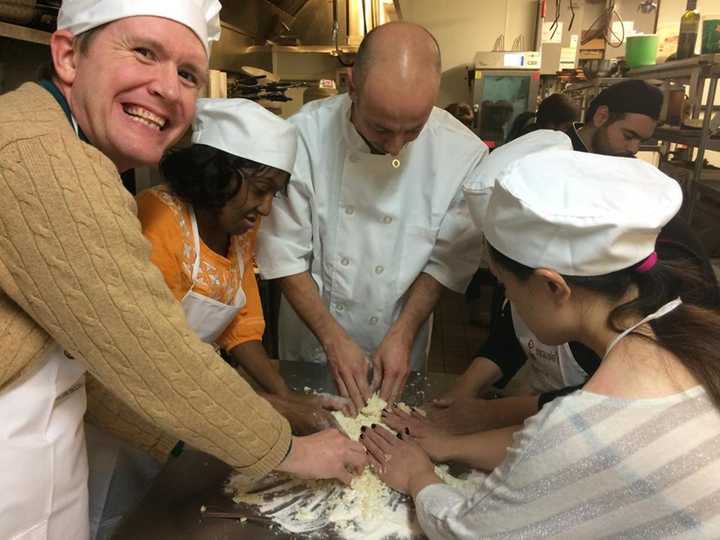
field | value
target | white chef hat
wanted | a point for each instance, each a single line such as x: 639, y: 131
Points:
x: 579, y: 214
x: 245, y: 129
x: 479, y: 188
x: 201, y: 16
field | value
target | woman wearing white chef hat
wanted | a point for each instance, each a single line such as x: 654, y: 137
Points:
x: 636, y: 452
x: 202, y: 226
x: 203, y: 223
x: 78, y: 291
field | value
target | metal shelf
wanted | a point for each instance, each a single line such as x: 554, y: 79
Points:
x: 677, y: 69
x: 688, y: 136
x: 23, y: 33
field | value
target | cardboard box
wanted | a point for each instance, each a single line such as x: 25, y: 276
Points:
x: 596, y: 43
x: 591, y: 54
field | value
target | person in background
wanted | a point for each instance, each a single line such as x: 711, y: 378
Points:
x: 202, y: 225
x: 463, y: 112
x: 635, y: 453
x: 78, y: 291
x: 374, y: 226
x: 619, y: 119
x: 557, y: 112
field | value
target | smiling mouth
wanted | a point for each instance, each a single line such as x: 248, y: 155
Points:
x: 145, y: 117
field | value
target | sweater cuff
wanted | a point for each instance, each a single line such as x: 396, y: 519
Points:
x: 273, y: 458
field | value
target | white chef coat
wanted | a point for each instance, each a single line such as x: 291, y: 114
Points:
x: 366, y: 225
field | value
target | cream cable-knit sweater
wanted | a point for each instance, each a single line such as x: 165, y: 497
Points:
x: 74, y: 267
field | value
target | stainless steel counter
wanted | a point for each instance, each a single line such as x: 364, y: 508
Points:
x: 171, y: 509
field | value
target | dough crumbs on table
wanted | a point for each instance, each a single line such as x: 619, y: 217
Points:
x: 367, y: 509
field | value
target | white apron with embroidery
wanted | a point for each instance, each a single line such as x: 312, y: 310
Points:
x: 549, y: 367
x: 109, y: 457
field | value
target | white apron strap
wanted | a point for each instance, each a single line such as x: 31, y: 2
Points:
x: 664, y: 310
x: 240, y: 293
x: 196, y: 241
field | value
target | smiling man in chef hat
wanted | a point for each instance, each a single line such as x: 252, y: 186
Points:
x: 78, y: 291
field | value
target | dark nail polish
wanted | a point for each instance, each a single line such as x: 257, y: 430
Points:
x: 362, y: 435
x: 373, y: 426
x: 407, y: 431
x: 363, y: 429
x: 399, y: 435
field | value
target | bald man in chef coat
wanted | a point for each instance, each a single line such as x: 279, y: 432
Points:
x: 374, y: 225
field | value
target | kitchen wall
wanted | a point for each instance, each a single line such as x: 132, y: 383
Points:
x: 463, y: 27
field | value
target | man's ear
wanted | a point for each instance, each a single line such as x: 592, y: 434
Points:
x: 352, y: 89
x: 556, y: 285
x: 601, y: 116
x: 62, y: 50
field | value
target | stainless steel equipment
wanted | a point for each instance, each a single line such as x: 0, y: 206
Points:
x: 504, y: 85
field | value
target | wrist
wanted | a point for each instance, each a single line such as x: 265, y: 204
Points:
x: 288, y: 464
x: 420, y: 481
x: 402, y: 334
x: 447, y: 451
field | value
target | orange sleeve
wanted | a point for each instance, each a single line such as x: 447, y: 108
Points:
x: 161, y: 228
x: 249, y: 324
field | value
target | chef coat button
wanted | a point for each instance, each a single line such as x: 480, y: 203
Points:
x: 396, y: 163
x: 340, y: 307
x: 345, y: 261
x: 379, y: 269
x: 349, y: 210
x: 387, y: 220
x: 373, y: 320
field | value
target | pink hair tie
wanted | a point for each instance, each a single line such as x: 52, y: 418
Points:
x: 647, y: 264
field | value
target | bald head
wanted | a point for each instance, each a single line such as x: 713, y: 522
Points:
x: 394, y: 84
x: 400, y: 50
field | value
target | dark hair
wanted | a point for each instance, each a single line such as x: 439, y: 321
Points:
x: 523, y: 124
x: 690, y: 332
x: 628, y: 96
x: 206, y: 177
x: 556, y: 109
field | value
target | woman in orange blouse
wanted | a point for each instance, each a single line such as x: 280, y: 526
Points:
x: 202, y: 225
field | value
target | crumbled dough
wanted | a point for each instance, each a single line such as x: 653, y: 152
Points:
x: 368, y: 509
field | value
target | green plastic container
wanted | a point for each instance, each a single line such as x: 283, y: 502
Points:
x: 641, y: 50
x: 711, y: 35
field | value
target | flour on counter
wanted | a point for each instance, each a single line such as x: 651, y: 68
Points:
x: 367, y: 509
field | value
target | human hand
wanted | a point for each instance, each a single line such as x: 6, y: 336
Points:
x: 436, y: 442
x: 327, y: 454
x: 398, y: 461
x: 327, y: 402
x: 391, y: 366
x: 461, y: 415
x: 349, y: 367
x: 305, y: 417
